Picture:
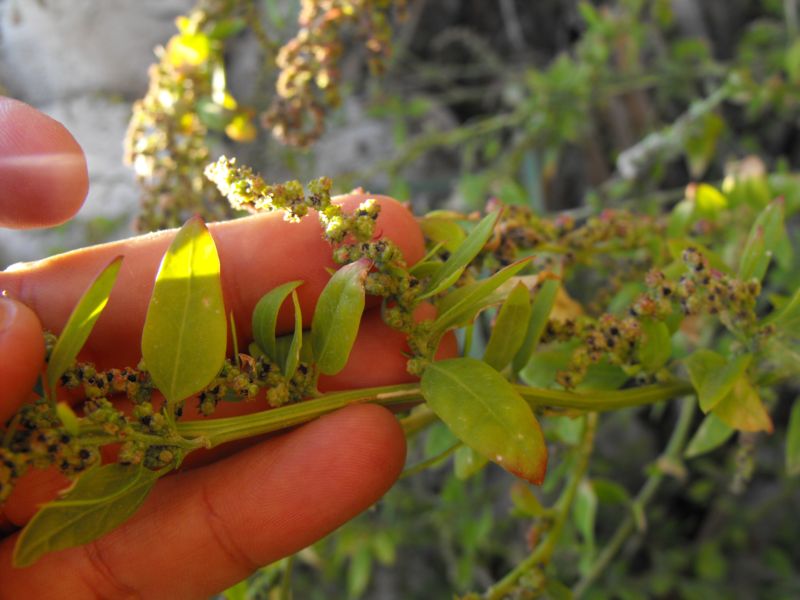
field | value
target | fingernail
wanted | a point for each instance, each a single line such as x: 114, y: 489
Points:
x: 8, y: 311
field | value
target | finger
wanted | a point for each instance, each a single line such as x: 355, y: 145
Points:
x: 21, y: 355
x: 42, y: 168
x: 377, y: 359
x: 215, y: 525
x: 257, y: 254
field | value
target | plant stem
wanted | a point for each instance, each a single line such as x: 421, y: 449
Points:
x: 544, y: 551
x: 220, y: 431
x: 429, y: 462
x: 673, y: 450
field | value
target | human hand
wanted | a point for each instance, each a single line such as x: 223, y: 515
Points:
x: 203, y: 529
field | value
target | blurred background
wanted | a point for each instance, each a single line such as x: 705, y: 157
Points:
x: 559, y: 105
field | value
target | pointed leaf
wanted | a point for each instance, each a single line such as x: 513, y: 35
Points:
x: 742, y: 409
x: 509, y: 328
x: 101, y: 500
x: 793, y: 441
x: 719, y: 382
x: 460, y: 307
x: 80, y: 323
x: 711, y: 434
x: 755, y: 256
x: 655, y: 347
x: 265, y: 316
x: 338, y: 316
x: 185, y: 332
x: 454, y: 266
x: 787, y: 319
x: 540, y: 311
x: 486, y: 413
x: 444, y: 232
x: 293, y: 356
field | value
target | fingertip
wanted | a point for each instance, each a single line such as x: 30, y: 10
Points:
x: 21, y: 354
x: 43, y: 170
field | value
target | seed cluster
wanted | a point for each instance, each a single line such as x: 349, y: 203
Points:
x: 308, y: 83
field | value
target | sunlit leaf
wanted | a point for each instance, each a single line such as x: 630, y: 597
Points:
x: 454, y: 266
x: 68, y: 418
x: 80, y: 323
x: 743, y: 409
x: 265, y: 317
x: 711, y: 434
x: 185, y: 331
x: 509, y: 328
x: 485, y: 411
x: 793, y: 441
x: 540, y: 311
x: 709, y: 201
x: 338, y: 316
x: 101, y: 500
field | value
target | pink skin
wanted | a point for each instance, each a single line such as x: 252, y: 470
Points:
x: 203, y: 529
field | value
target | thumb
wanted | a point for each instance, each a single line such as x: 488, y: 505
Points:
x: 21, y: 354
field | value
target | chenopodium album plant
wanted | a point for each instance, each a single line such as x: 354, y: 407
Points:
x: 542, y: 353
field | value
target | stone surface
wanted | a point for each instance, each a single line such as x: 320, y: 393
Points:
x: 57, y: 49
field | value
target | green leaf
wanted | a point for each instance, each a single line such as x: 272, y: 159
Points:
x: 709, y: 201
x: 265, y: 316
x: 610, y: 492
x: 460, y: 306
x: 680, y: 218
x: 443, y: 232
x: 793, y: 441
x: 80, y: 323
x: 293, y: 356
x: 486, y: 413
x: 68, y: 418
x: 185, y: 331
x: 509, y: 328
x: 787, y: 319
x: 742, y: 409
x: 755, y: 256
x: 338, y: 316
x: 525, y: 501
x: 711, y: 434
x: 717, y: 382
x: 542, y: 305
x: 359, y: 572
x: 655, y: 346
x: 454, y: 266
x: 584, y: 512
x: 101, y: 500
x: 467, y: 462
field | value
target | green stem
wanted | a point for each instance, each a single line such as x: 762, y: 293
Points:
x: 544, y: 551
x: 429, y: 462
x: 220, y: 431
x: 674, y: 448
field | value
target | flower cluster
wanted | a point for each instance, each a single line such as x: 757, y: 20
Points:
x: 308, y: 83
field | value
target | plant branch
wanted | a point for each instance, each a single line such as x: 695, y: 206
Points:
x: 544, y: 551
x: 220, y: 431
x: 672, y: 451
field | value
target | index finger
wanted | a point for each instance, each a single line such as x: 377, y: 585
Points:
x: 256, y: 253
x: 42, y: 168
